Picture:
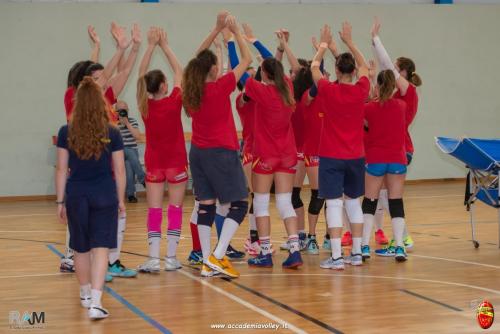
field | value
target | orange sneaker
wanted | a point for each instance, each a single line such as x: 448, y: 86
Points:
x: 347, y: 239
x: 223, y: 266
x: 380, y: 238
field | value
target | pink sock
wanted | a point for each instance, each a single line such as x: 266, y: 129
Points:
x: 174, y: 214
x: 154, y: 231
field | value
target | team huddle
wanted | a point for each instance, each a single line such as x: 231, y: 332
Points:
x: 350, y: 136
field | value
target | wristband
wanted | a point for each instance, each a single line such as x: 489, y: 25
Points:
x: 323, y: 45
x: 315, y: 64
x: 281, y: 49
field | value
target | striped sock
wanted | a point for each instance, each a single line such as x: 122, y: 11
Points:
x: 293, y: 240
x: 265, y: 245
x: 154, y: 231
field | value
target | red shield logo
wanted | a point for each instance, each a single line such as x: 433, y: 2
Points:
x: 485, y: 314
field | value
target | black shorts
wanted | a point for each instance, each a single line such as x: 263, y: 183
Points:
x: 340, y: 176
x: 217, y: 174
x: 92, y: 220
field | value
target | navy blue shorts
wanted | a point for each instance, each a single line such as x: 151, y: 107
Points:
x: 217, y: 174
x: 92, y: 220
x: 339, y: 176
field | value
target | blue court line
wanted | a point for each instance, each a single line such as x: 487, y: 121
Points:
x: 125, y: 302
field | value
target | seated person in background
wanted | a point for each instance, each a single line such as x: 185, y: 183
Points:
x: 129, y: 129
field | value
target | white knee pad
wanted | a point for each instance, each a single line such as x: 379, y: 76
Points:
x: 261, y: 204
x: 284, y: 205
x: 194, y: 214
x: 222, y: 209
x: 334, y: 212
x: 354, y: 211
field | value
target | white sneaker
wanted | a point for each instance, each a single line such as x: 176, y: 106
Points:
x: 150, y: 266
x: 85, y: 301
x: 97, y: 312
x: 171, y: 264
x: 354, y: 260
x: 285, y: 245
x: 331, y: 263
x: 206, y: 271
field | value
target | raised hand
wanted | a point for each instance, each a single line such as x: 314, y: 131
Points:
x: 326, y: 34
x: 153, y: 36
x: 286, y: 34
x: 375, y: 27
x: 162, y: 37
x: 248, y: 33
x: 221, y: 20
x: 232, y: 25
x: 346, y: 33
x: 93, y: 35
x: 136, y: 34
x: 226, y: 35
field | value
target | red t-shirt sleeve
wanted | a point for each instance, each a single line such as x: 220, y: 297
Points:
x: 253, y: 89
x: 176, y: 96
x: 110, y: 95
x: 227, y: 83
x: 363, y: 85
x: 411, y: 100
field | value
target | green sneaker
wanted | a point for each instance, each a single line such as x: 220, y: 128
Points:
x: 119, y: 270
x: 312, y: 246
x: 108, y: 278
x: 408, y: 241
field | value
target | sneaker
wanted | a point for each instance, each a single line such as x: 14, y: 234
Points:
x: 233, y: 253
x: 171, y: 264
x: 108, y: 278
x: 67, y: 265
x: 312, y: 246
x: 223, y: 266
x: 327, y: 244
x: 195, y: 257
x: 150, y: 266
x: 132, y: 199
x: 400, y: 254
x: 365, y: 252
x: 262, y: 261
x: 119, y: 270
x: 285, y: 246
x: 408, y: 242
x: 380, y: 238
x: 293, y: 261
x: 97, y: 312
x: 85, y: 301
x: 354, y: 259
x: 386, y: 251
x: 303, y: 241
x: 206, y: 271
x: 347, y: 239
x: 252, y: 248
x: 331, y: 263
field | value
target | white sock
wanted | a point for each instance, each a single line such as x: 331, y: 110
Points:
x: 405, y: 232
x: 356, y: 245
x: 154, y: 247
x: 382, y: 206
x: 69, y: 251
x: 228, y: 230
x: 85, y: 290
x: 172, y: 243
x: 293, y: 241
x: 265, y: 245
x: 398, y: 226
x: 114, y: 254
x: 205, y: 233
x: 252, y: 222
x: 336, y: 248
x: 367, y: 228
x: 96, y: 297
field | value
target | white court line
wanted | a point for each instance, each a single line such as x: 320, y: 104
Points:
x: 457, y: 261
x: 35, y: 275
x: 243, y: 302
x: 463, y: 285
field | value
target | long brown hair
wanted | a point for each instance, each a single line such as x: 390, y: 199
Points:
x: 386, y: 84
x: 88, y: 126
x: 406, y: 64
x: 275, y: 72
x: 148, y: 84
x: 194, y: 77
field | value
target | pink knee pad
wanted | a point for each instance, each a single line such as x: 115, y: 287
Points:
x: 174, y: 214
x: 154, y: 219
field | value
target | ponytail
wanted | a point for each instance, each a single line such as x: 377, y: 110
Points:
x: 406, y: 64
x: 142, y: 96
x: 387, y: 83
x: 275, y: 72
x: 415, y: 80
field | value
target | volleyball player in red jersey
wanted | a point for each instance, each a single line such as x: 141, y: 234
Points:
x: 406, y: 82
x: 386, y: 158
x: 165, y: 155
x: 342, y: 163
x: 214, y: 155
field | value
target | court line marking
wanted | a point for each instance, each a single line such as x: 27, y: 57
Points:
x: 35, y: 275
x: 124, y: 301
x: 414, y: 294
x: 243, y: 302
x: 457, y: 261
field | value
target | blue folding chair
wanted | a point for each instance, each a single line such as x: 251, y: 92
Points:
x: 482, y: 158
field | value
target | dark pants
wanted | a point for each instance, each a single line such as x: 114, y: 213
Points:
x: 133, y: 169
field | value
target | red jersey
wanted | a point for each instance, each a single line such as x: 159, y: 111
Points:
x: 385, y: 139
x: 342, y: 135
x: 313, y: 123
x: 69, y: 102
x: 298, y: 127
x: 274, y: 141
x: 213, y: 124
x: 165, y: 146
x: 411, y: 99
x: 247, y: 116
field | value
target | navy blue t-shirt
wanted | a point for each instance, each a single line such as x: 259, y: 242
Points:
x: 91, y: 173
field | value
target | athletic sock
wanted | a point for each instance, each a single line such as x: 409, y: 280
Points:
x: 382, y: 205
x: 336, y: 248
x: 114, y: 254
x: 174, y: 214
x: 356, y: 245
x: 293, y: 241
x: 229, y: 228
x: 205, y: 233
x: 405, y: 232
x: 265, y: 245
x: 96, y: 297
x: 254, y: 236
x: 85, y: 290
x: 154, y: 231
x: 398, y: 226
x: 367, y: 228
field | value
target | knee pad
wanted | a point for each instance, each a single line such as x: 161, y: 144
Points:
x: 334, y: 212
x: 353, y: 210
x: 261, y: 204
x: 316, y: 203
x: 296, y: 200
x: 222, y: 209
x: 206, y: 214
x: 396, y: 208
x: 369, y: 206
x: 238, y: 211
x: 284, y: 205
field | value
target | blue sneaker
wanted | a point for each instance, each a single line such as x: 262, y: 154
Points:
x: 262, y: 261
x: 293, y: 261
x: 195, y: 257
x: 233, y: 253
x: 108, y: 278
x: 400, y: 254
x: 119, y: 270
x: 331, y: 263
x: 365, y: 252
x: 303, y: 241
x: 312, y: 246
x: 327, y: 244
x: 388, y: 251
